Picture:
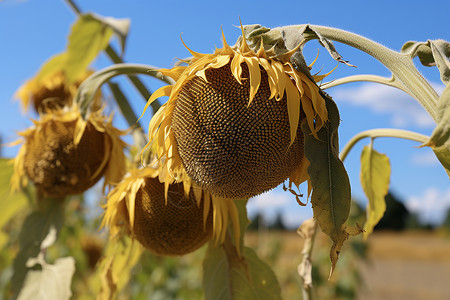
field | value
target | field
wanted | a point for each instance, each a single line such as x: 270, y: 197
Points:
x: 399, y: 266
x: 407, y: 266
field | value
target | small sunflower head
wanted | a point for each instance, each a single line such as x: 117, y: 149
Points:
x: 232, y: 121
x: 93, y: 248
x: 50, y: 93
x: 174, y: 225
x: 65, y: 155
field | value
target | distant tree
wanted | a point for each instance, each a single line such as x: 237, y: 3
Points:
x: 396, y: 215
x: 256, y: 222
x: 278, y: 223
x: 446, y: 223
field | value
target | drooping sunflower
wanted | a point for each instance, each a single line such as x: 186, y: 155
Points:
x: 48, y: 93
x: 232, y: 120
x: 173, y: 222
x: 64, y: 154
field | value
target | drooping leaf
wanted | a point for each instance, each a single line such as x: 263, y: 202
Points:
x: 11, y: 203
x: 431, y: 53
x: 89, y: 36
x: 34, y: 230
x: 375, y: 176
x: 51, y: 283
x: 440, y: 137
x: 121, y: 256
x: 331, y: 196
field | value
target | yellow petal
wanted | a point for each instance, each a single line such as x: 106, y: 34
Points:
x: 255, y: 76
x: 293, y: 106
x: 281, y: 78
x: 236, y: 68
x: 163, y: 91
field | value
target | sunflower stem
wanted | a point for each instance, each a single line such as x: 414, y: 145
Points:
x: 123, y: 104
x: 382, y: 132
x: 368, y: 78
x: 400, y: 64
x: 86, y: 92
x: 308, y: 231
x: 115, y: 58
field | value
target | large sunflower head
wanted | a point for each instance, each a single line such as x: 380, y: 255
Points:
x: 63, y: 154
x: 232, y: 120
x: 48, y: 93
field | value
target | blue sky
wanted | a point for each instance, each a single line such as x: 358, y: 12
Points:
x: 32, y: 31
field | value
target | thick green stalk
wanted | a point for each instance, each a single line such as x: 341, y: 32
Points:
x: 400, y: 64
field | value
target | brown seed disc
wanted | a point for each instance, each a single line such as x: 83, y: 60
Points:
x: 172, y: 229
x: 56, y: 166
x: 228, y: 148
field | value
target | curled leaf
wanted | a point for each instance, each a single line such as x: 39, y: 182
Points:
x: 431, y: 53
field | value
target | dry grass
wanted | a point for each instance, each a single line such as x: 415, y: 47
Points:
x: 400, y: 266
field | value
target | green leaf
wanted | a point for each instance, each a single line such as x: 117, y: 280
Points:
x: 440, y: 137
x: 34, y: 230
x: 331, y: 196
x: 431, y: 53
x: 55, y: 64
x: 375, y: 176
x: 230, y: 277
x: 89, y: 36
x: 51, y: 283
x: 11, y: 203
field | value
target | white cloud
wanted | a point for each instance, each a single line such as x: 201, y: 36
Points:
x: 382, y: 99
x: 269, y: 200
x: 432, y: 206
x: 277, y: 201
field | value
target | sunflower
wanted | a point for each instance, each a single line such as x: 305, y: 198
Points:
x: 50, y: 92
x: 170, y: 222
x: 63, y: 154
x: 232, y: 120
